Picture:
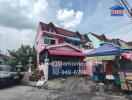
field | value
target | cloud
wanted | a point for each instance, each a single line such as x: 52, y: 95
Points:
x: 40, y: 6
x: 69, y: 18
x: 19, y: 20
x: 11, y: 38
x: 15, y: 14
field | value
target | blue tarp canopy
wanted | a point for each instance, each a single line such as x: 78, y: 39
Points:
x: 105, y: 50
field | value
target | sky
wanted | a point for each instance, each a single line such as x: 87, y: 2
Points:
x: 19, y: 19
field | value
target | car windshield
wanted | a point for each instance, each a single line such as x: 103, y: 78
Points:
x: 6, y: 68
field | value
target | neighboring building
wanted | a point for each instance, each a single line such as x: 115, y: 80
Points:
x: 86, y: 42
x: 57, y: 45
x: 3, y: 58
x: 124, y: 45
x: 129, y: 43
x: 97, y: 40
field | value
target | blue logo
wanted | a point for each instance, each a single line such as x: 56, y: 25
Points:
x: 117, y: 10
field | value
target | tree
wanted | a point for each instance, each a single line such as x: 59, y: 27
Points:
x: 22, y: 55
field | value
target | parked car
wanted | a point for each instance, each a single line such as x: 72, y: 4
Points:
x: 9, y: 75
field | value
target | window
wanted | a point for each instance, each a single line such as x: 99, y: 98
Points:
x: 49, y: 41
x: 1, y: 62
x: 52, y: 41
x: 46, y: 41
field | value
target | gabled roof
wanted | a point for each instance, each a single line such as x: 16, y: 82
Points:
x: 86, y: 38
x: 129, y: 43
x: 77, y: 34
x: 58, y: 30
x: 121, y: 43
x: 117, y: 7
x: 101, y: 37
x: 63, y: 44
x: 116, y: 42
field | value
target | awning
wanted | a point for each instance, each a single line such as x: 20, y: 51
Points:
x: 127, y: 56
x: 112, y: 57
x: 65, y: 53
x: 106, y: 50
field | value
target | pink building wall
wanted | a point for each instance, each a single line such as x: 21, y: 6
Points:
x: 89, y: 65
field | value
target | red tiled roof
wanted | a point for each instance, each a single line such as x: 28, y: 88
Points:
x: 57, y: 29
x: 43, y: 25
x: 102, y: 37
x: 129, y: 43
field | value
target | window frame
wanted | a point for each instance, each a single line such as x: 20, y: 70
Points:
x: 50, y: 40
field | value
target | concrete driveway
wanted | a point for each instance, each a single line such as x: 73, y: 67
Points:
x: 30, y: 93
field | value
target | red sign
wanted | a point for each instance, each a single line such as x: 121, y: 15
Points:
x: 117, y: 12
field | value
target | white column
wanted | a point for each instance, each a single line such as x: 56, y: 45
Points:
x: 46, y: 69
x: 37, y: 59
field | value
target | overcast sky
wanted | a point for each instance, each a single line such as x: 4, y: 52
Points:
x: 19, y: 19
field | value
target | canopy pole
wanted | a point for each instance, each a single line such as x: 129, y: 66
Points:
x: 125, y: 77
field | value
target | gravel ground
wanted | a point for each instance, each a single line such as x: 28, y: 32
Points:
x: 70, y: 89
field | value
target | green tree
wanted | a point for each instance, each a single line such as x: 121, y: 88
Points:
x: 22, y: 55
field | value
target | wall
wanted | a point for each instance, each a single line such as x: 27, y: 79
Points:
x: 38, y: 43
x: 96, y: 42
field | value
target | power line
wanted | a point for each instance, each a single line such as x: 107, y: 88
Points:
x: 127, y: 7
x: 123, y: 32
x: 111, y: 30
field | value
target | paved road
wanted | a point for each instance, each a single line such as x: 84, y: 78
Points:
x: 30, y: 93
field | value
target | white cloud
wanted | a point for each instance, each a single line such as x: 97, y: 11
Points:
x: 24, y: 3
x: 40, y: 6
x: 11, y: 38
x: 19, y: 25
x: 69, y: 18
